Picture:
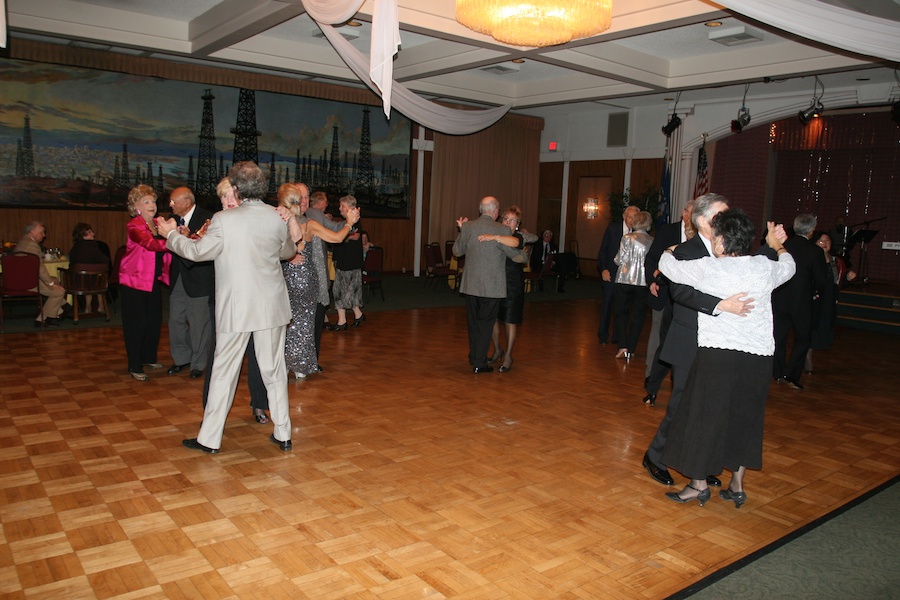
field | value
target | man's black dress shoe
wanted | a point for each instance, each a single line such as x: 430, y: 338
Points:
x: 713, y: 481
x: 484, y: 369
x: 660, y: 475
x: 650, y: 399
x: 177, y: 368
x: 285, y: 445
x: 193, y: 444
x: 196, y: 374
x: 793, y: 383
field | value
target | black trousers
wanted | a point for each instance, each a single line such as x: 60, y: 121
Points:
x: 679, y: 380
x: 141, y: 320
x: 660, y: 369
x: 258, y: 396
x: 631, y: 312
x: 481, y: 314
x: 801, y: 323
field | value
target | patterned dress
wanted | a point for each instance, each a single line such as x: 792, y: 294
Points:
x: 303, y: 291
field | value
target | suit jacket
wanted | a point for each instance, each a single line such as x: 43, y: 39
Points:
x: 537, y: 254
x: 28, y: 245
x: 198, y: 278
x: 680, y: 346
x: 811, y: 276
x: 609, y: 247
x: 247, y: 245
x: 485, y: 273
x: 138, y: 267
x: 666, y: 236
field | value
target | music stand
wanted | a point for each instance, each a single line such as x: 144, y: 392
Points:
x: 863, y: 237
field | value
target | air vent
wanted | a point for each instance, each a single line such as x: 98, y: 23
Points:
x: 349, y: 33
x: 502, y: 69
x: 735, y: 36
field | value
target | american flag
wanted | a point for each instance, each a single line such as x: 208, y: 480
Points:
x: 702, y: 186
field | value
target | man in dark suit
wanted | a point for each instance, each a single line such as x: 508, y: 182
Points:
x: 192, y: 284
x: 792, y: 303
x: 680, y: 346
x: 484, y: 283
x: 606, y: 265
x: 670, y: 234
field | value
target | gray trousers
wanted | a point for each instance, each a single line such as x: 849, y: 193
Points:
x: 189, y: 328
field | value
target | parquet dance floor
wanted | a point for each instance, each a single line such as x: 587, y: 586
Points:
x: 410, y: 477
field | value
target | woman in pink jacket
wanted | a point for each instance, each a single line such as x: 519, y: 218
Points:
x: 144, y: 267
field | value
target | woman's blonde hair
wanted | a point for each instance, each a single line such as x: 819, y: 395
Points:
x: 289, y: 197
x: 223, y: 187
x: 135, y: 195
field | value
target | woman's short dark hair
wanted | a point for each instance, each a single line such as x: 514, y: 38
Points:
x: 79, y: 231
x: 736, y: 229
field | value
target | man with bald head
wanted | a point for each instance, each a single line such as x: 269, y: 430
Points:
x: 192, y: 283
x: 484, y: 281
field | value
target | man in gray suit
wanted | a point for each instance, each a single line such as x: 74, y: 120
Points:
x: 246, y: 244
x: 484, y: 281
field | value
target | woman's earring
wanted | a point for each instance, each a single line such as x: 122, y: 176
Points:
x: 138, y: 212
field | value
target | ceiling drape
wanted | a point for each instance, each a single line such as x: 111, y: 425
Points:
x: 377, y: 72
x: 832, y: 25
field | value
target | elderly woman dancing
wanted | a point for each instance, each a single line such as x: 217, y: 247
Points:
x: 630, y: 296
x: 719, y: 423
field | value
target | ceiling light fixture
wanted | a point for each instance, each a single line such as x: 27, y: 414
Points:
x: 675, y: 122
x: 535, y: 23
x: 743, y: 118
x: 815, y: 107
x: 713, y: 24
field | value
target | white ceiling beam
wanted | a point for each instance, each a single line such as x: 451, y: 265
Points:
x: 234, y: 21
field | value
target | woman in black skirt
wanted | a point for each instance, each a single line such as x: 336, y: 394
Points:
x: 512, y: 306
x: 719, y: 423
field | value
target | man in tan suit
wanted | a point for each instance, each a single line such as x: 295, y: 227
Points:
x: 48, y: 286
x: 246, y: 244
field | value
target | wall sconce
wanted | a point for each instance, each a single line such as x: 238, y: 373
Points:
x: 591, y: 208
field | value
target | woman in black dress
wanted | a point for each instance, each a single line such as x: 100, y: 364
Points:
x: 512, y: 306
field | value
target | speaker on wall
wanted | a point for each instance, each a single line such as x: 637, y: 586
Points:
x: 617, y: 130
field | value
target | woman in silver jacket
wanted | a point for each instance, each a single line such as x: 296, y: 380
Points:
x: 630, y: 298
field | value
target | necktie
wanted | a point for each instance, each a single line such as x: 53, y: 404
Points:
x: 181, y: 221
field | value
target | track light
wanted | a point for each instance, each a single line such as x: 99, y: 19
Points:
x: 673, y: 124
x: 743, y: 118
x: 815, y: 108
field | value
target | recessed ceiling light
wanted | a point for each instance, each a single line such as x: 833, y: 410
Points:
x: 352, y: 23
x: 518, y: 61
x: 713, y: 23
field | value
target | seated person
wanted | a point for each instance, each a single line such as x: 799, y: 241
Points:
x: 48, y: 286
x: 88, y: 251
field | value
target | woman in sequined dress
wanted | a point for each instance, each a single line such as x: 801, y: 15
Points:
x: 302, y: 280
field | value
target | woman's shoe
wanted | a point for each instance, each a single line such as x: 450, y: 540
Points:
x: 629, y: 356
x: 140, y: 376
x: 650, y: 399
x: 506, y: 368
x: 260, y: 415
x: 341, y: 327
x: 737, y: 497
x: 496, y: 357
x: 154, y: 365
x: 622, y: 353
x: 702, y: 495
x: 299, y: 375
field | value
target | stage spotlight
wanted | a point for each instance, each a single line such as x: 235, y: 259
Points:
x: 743, y: 119
x: 673, y: 124
x: 815, y: 108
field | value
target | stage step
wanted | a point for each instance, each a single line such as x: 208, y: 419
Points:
x: 872, y: 312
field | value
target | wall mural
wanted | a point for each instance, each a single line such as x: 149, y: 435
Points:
x: 81, y: 138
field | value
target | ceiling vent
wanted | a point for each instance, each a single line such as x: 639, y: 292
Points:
x: 735, y: 36
x: 350, y: 34
x: 502, y: 69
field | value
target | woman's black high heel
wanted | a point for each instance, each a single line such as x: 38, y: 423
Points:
x: 496, y: 357
x: 341, y: 327
x: 701, y: 497
x: 737, y: 497
x: 359, y: 321
x: 506, y: 369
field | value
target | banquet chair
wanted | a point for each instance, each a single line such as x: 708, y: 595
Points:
x: 19, y: 280
x: 437, y: 269
x: 113, y: 282
x: 535, y: 278
x: 373, y: 271
x: 86, y: 280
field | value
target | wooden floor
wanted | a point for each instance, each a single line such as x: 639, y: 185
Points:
x: 410, y: 477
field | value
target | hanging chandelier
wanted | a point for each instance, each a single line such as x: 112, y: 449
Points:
x: 535, y: 23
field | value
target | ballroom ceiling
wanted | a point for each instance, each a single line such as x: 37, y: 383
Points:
x: 654, y: 49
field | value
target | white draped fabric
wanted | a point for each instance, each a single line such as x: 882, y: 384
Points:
x: 378, y: 72
x: 832, y: 25
x: 2, y: 23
